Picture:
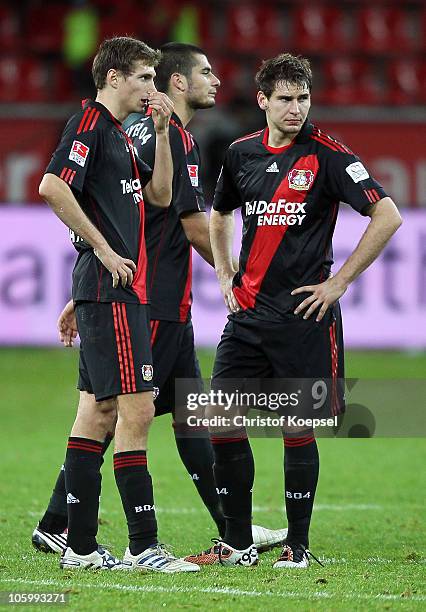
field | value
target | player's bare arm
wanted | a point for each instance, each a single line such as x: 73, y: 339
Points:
x: 196, y: 228
x: 63, y: 203
x: 67, y: 325
x: 221, y: 236
x: 159, y: 189
x: 385, y: 220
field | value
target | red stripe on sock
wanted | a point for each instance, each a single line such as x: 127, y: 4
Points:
x: 216, y: 440
x: 299, y: 442
x: 92, y: 449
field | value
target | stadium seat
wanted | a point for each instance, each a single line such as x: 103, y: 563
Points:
x: 10, y: 35
x: 384, y: 29
x: 355, y: 82
x: 251, y: 27
x: 23, y: 79
x: 408, y: 82
x: 44, y: 28
x: 321, y: 28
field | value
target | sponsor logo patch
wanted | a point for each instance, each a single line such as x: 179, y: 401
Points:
x: 147, y: 372
x: 357, y: 172
x: 79, y: 153
x: 193, y: 174
x: 300, y: 180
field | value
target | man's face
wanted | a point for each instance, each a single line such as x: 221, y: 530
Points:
x: 135, y: 88
x: 287, y: 107
x: 202, y: 85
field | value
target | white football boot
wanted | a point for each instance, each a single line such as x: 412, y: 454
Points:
x: 265, y: 539
x: 100, y: 559
x: 157, y: 559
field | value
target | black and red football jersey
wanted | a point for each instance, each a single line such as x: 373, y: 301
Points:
x: 289, y: 198
x: 168, y: 249
x: 96, y: 159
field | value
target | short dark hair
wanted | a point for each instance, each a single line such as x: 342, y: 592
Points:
x: 121, y: 53
x: 285, y: 68
x: 175, y: 57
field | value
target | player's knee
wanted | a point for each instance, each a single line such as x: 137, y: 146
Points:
x: 136, y: 411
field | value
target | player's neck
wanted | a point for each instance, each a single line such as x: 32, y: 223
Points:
x: 183, y: 111
x: 112, y: 105
x: 278, y: 139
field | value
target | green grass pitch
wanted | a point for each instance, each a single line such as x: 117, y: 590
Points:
x: 368, y: 523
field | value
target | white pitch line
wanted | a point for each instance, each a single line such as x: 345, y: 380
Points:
x: 218, y: 591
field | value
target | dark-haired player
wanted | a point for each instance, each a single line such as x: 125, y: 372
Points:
x: 288, y: 178
x: 185, y: 74
x: 96, y: 185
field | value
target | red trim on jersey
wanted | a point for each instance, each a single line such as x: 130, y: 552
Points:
x: 89, y: 119
x: 119, y: 349
x: 71, y: 177
x: 186, y: 298
x: 376, y: 195
x: 268, y: 238
x: 274, y: 149
x: 129, y: 348
x: 95, y: 119
x: 154, y: 329
x: 83, y: 119
x: 325, y: 143
x: 367, y: 193
x: 248, y: 137
x: 64, y: 169
x: 160, y: 244
x: 326, y: 139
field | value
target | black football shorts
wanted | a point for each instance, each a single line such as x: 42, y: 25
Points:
x: 296, y: 349
x: 174, y: 357
x: 115, y: 348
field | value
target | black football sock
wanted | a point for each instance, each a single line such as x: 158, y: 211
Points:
x: 83, y: 486
x: 301, y: 468
x: 55, y: 519
x: 135, y: 487
x: 234, y: 475
x: 197, y: 456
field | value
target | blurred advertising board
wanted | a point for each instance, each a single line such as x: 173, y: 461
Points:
x: 384, y: 308
x: 394, y: 152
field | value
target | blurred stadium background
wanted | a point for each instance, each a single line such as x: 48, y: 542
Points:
x: 369, y: 91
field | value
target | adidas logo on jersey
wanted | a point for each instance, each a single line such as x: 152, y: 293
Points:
x: 71, y: 499
x: 273, y: 168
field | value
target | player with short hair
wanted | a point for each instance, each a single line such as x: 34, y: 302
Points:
x: 288, y: 179
x: 185, y: 74
x: 96, y: 185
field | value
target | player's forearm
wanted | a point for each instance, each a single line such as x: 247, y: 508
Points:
x: 63, y: 203
x: 221, y: 237
x: 385, y: 220
x: 159, y: 190
x: 196, y: 228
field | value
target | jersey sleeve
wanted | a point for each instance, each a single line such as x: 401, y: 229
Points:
x: 187, y: 191
x: 226, y: 197
x: 74, y: 157
x: 145, y: 171
x: 351, y: 182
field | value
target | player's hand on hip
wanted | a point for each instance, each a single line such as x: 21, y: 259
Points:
x: 162, y: 109
x: 228, y: 294
x: 67, y: 325
x: 121, y: 269
x: 322, y: 297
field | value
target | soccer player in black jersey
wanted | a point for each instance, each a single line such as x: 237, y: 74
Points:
x: 288, y: 179
x: 185, y: 74
x: 96, y: 185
